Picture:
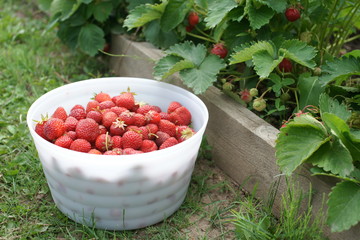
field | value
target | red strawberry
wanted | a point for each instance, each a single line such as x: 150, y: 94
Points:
x: 39, y: 127
x: 102, y: 129
x: 103, y: 142
x: 152, y: 130
x: 64, y: 141
x: 189, y: 28
x: 94, y: 151
x: 148, y: 146
x: 117, y: 128
x: 80, y: 145
x: 110, y: 152
x: 139, y: 119
x: 108, y: 118
x: 71, y: 134
x: 118, y: 151
x: 54, y: 128
x: 116, y: 140
x: 78, y: 113
x: 164, y: 115
x: 152, y: 117
x: 106, y: 47
x: 181, y: 116
x: 70, y: 123
x: 285, y: 65
x: 131, y: 139
x: 292, y: 14
x: 106, y: 104
x: 144, y: 132
x: 101, y: 97
x: 172, y: 106
x: 127, y: 117
x: 96, y: 115
x: 246, y: 96
x: 87, y: 129
x: 92, y: 106
x: 130, y: 151
x: 183, y: 133
x: 161, y: 137
x: 125, y: 100
x: 193, y: 18
x: 77, y: 106
x: 60, y: 113
x: 167, y: 127
x: 169, y: 143
x: 118, y: 110
x: 220, y: 50
x: 146, y: 108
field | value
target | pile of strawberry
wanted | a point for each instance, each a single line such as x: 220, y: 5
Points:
x: 117, y: 125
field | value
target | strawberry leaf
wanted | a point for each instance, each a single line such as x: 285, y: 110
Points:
x: 343, y: 206
x: 298, y: 141
x: 259, y: 17
x: 174, y: 13
x: 330, y: 105
x: 65, y: 7
x: 340, y: 69
x: 299, y: 52
x: 264, y: 63
x: 202, y: 77
x: 189, y: 51
x: 279, y: 83
x: 342, y: 131
x: 144, y: 14
x: 217, y: 10
x: 246, y: 52
x: 310, y: 90
x: 91, y: 38
x: 102, y: 11
x: 169, y: 65
x: 333, y: 157
x: 277, y: 5
x: 154, y: 34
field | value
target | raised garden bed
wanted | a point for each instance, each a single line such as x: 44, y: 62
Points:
x: 243, y: 144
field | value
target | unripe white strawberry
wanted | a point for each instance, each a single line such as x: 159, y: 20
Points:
x: 259, y: 104
x: 228, y: 86
x: 254, y: 92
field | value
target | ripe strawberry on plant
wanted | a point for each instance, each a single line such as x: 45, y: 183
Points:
x: 132, y: 139
x: 292, y: 14
x: 193, y: 18
x: 87, y: 129
x: 63, y: 141
x: 246, y: 96
x: 80, y: 145
x: 60, y: 113
x: 220, y: 50
x: 285, y: 65
x: 54, y: 128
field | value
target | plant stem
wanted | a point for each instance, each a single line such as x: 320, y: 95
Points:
x: 200, y: 37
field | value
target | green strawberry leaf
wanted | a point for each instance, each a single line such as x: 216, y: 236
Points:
x: 264, y: 63
x: 330, y: 105
x: 246, y: 52
x: 91, y: 38
x: 189, y: 51
x: 340, y: 69
x: 65, y: 7
x: 259, y: 17
x: 144, y: 14
x: 333, y: 157
x: 343, y: 206
x: 169, y: 65
x: 299, y: 52
x: 174, y: 13
x: 69, y: 35
x: 277, y: 5
x: 342, y: 131
x: 310, y: 90
x: 102, y: 11
x: 297, y: 142
x: 217, y: 10
x: 279, y: 83
x: 202, y: 77
x: 154, y: 34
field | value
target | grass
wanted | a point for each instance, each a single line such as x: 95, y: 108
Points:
x: 34, y: 62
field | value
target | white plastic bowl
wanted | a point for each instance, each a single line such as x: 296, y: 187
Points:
x: 118, y: 192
